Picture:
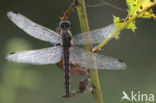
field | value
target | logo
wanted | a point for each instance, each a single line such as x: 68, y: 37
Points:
x: 137, y: 97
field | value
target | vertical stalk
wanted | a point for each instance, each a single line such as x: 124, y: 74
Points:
x: 97, y: 92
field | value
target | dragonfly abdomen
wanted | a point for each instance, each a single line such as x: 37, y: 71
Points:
x: 66, y: 52
x: 66, y: 71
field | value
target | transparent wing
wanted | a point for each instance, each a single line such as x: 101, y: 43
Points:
x: 97, y: 36
x: 85, y: 59
x: 33, y: 28
x: 41, y: 56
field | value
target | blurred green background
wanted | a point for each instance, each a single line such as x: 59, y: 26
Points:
x: 24, y: 83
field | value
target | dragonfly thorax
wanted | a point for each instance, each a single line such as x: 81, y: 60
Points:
x: 66, y: 38
x: 65, y: 33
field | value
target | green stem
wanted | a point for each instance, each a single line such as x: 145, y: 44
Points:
x: 97, y: 92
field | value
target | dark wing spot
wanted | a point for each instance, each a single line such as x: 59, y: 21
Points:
x: 12, y: 53
x: 152, y: 0
x: 15, y: 12
x: 120, y: 60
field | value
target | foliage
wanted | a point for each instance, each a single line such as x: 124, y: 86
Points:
x: 137, y: 9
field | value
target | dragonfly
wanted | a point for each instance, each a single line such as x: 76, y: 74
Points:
x: 65, y: 46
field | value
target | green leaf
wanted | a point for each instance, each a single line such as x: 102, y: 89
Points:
x: 137, y: 9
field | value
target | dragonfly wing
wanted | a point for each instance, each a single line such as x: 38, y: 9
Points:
x: 33, y: 28
x: 50, y: 55
x: 85, y: 59
x: 96, y: 36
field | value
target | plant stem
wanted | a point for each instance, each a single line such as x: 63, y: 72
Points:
x: 97, y: 92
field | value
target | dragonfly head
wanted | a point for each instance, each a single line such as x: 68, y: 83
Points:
x: 65, y: 24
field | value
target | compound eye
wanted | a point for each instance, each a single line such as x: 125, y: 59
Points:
x: 65, y: 24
